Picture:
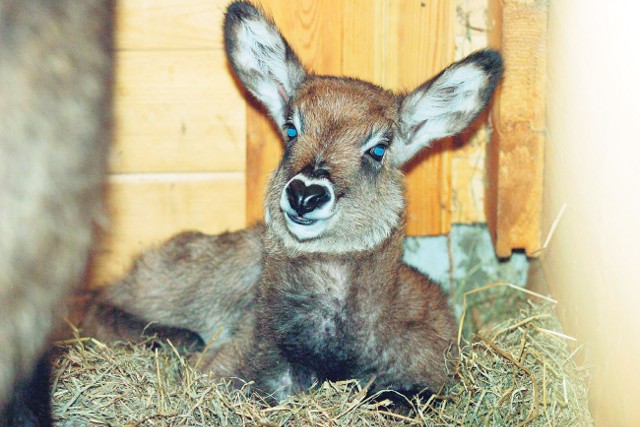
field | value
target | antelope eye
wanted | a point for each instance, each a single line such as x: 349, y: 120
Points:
x: 291, y: 131
x: 377, y: 152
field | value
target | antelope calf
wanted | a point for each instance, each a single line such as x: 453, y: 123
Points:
x: 319, y: 290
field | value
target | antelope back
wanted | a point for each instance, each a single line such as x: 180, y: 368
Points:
x: 338, y: 187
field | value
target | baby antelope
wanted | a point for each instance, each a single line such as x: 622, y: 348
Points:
x: 319, y: 290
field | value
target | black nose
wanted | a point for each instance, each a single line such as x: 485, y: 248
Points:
x: 303, y: 198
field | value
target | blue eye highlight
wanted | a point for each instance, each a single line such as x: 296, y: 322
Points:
x: 377, y: 152
x: 291, y: 131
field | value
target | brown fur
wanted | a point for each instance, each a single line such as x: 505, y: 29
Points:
x: 55, y: 81
x: 193, y: 281
x: 319, y: 291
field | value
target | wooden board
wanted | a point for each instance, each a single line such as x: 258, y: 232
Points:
x: 145, y: 209
x: 394, y: 43
x: 425, y: 45
x: 169, y: 24
x: 179, y: 155
x: 177, y: 111
x: 516, y: 155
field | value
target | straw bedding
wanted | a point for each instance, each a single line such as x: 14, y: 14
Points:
x: 515, y: 368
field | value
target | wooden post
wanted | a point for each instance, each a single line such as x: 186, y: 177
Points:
x: 516, y: 152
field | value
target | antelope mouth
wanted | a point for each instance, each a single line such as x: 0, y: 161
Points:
x: 301, y: 220
x: 305, y: 228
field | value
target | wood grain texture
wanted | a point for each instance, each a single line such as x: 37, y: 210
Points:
x: 145, y: 209
x: 169, y: 24
x: 264, y: 149
x: 516, y: 154
x: 177, y: 111
x: 179, y: 155
x: 426, y: 46
x: 395, y: 43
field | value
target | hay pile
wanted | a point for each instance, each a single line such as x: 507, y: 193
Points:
x: 513, y: 370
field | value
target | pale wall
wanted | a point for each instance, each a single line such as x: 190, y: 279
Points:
x: 593, y: 166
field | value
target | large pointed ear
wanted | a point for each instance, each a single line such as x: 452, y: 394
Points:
x: 262, y: 58
x: 447, y: 104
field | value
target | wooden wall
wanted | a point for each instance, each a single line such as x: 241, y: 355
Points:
x: 516, y: 153
x: 179, y: 155
x: 191, y: 154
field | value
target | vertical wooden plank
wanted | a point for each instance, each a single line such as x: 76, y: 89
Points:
x: 370, y: 41
x: 312, y: 28
x: 427, y: 45
x: 360, y: 26
x: 264, y: 148
x: 514, y: 199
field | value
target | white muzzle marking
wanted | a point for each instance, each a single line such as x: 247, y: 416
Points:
x: 311, y: 224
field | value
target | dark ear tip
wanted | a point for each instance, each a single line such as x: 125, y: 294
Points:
x: 490, y: 60
x: 239, y: 10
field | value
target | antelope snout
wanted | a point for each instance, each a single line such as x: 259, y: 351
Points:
x: 307, y: 204
x: 305, y: 198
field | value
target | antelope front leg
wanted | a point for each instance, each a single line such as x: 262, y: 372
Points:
x: 271, y: 375
x: 420, y: 348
